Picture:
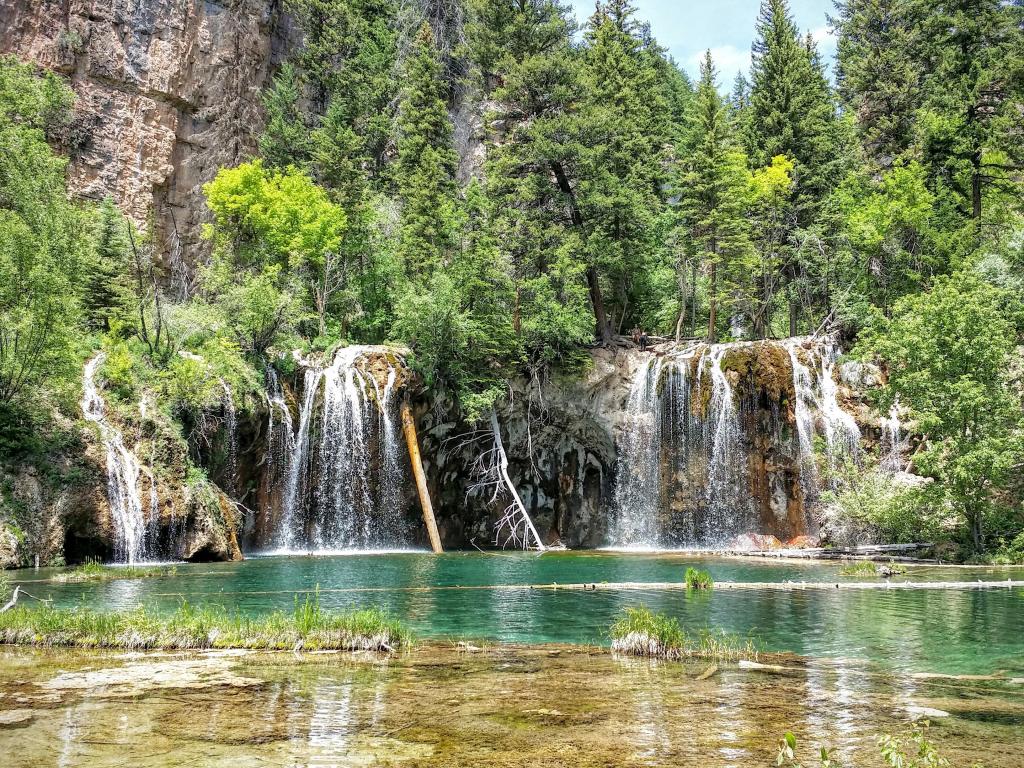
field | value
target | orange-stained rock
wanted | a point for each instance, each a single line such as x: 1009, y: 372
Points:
x: 755, y: 542
x: 802, y: 542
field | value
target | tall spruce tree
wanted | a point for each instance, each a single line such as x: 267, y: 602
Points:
x: 623, y: 127
x: 426, y: 164
x: 713, y: 189
x: 879, y: 72
x: 531, y: 149
x: 973, y: 98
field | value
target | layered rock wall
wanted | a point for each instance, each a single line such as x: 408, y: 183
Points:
x: 167, y: 92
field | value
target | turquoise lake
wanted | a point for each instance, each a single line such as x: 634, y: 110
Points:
x: 947, y: 631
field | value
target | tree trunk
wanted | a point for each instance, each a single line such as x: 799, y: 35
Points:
x: 976, y: 185
x: 409, y: 428
x: 794, y: 311
x: 604, y: 331
x: 524, y: 516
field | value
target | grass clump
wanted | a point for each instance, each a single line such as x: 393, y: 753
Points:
x: 94, y: 571
x: 868, y: 568
x: 641, y: 632
x: 307, y: 627
x: 698, y: 579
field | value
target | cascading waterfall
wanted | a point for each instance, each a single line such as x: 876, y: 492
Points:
x: 345, y: 475
x: 892, y: 460
x: 727, y: 495
x: 231, y: 428
x: 637, y: 495
x: 123, y: 471
x: 685, y: 459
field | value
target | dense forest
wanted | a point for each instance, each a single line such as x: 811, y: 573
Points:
x: 498, y: 187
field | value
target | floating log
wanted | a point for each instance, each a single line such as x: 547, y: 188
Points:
x: 409, y: 428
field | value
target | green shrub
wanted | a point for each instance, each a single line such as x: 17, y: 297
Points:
x: 640, y: 632
x: 698, y: 579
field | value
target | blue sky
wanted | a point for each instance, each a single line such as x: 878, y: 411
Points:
x: 688, y: 28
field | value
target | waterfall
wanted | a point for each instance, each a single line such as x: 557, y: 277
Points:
x: 344, y: 476
x: 728, y: 495
x: 231, y: 427
x: 123, y: 470
x: 637, y: 483
x: 693, y: 458
x: 297, y: 480
x: 892, y: 460
x: 817, y: 402
x: 841, y: 430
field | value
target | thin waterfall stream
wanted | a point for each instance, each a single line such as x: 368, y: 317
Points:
x: 123, y: 473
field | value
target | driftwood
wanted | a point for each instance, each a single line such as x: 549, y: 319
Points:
x: 515, y: 515
x: 14, y: 598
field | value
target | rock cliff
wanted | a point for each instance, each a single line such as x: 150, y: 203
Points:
x: 167, y: 92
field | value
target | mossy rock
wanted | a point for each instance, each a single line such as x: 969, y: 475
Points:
x: 765, y: 366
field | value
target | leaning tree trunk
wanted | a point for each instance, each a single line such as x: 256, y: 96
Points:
x: 409, y: 428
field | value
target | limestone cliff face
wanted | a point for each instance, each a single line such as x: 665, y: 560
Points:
x: 168, y: 91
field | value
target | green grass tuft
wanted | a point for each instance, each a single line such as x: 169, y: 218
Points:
x: 308, y: 627
x: 872, y: 569
x: 640, y: 632
x: 94, y: 571
x: 698, y: 579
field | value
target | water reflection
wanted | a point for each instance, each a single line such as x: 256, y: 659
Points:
x: 501, y: 707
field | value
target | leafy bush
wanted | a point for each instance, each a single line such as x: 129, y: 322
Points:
x: 698, y: 579
x: 640, y: 632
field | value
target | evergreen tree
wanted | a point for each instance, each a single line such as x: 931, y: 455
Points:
x: 537, y: 219
x: 973, y: 97
x: 623, y: 132
x: 879, y: 71
x: 713, y: 189
x: 426, y: 165
x: 285, y: 135
x: 105, y: 291
x: 792, y: 114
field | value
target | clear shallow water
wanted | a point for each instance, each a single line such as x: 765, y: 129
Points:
x: 953, y: 631
x: 508, y: 707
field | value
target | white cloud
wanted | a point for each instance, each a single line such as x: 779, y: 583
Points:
x: 728, y: 59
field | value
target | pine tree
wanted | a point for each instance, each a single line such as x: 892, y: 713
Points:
x: 285, y: 135
x: 426, y: 164
x: 973, y: 97
x: 879, y: 72
x: 105, y: 291
x: 623, y: 125
x: 537, y: 220
x: 713, y: 188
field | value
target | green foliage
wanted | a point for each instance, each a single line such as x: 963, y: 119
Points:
x: 913, y: 750
x: 698, y: 579
x: 640, y: 632
x: 190, y: 628
x: 873, y: 500
x: 787, y: 754
x: 425, y: 169
x: 44, y: 244
x: 947, y: 352
x: 714, y: 197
